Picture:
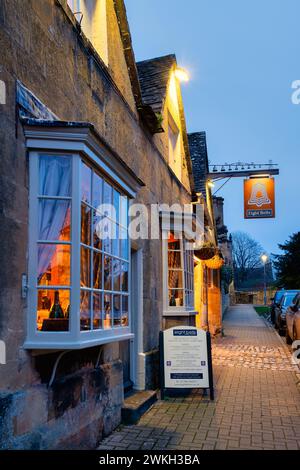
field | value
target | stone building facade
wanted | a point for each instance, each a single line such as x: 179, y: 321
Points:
x: 79, y: 112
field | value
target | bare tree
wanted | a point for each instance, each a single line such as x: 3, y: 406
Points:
x: 246, y: 254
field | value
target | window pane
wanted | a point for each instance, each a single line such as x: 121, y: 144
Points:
x: 107, y: 234
x: 124, y: 244
x: 54, y: 265
x: 117, y: 310
x: 124, y: 276
x: 116, y: 241
x: 175, y: 279
x: 188, y: 299
x: 97, y: 190
x: 85, y: 310
x: 107, y: 194
x: 54, y: 220
x: 125, y: 311
x: 107, y: 273
x: 85, y: 267
x: 97, y: 236
x: 173, y: 242
x: 175, y: 298
x: 54, y: 175
x: 97, y: 270
x: 174, y: 259
x: 97, y: 310
x: 86, y: 216
x: 124, y: 211
x: 116, y: 203
x: 107, y: 311
x: 53, y: 308
x: 117, y: 274
x: 86, y: 179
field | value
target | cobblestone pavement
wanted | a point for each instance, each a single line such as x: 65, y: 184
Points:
x: 257, y: 403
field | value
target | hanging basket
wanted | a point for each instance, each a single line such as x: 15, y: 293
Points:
x: 206, y: 252
x: 216, y: 262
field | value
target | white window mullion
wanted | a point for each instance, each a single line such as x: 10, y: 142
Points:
x: 75, y: 259
x: 33, y: 236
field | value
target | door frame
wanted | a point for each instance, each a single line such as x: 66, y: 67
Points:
x: 136, y: 309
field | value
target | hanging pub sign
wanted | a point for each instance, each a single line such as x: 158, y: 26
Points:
x: 185, y: 359
x: 259, y: 198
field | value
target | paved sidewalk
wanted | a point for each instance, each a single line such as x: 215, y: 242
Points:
x: 257, y: 402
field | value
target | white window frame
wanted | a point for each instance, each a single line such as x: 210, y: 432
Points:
x: 47, y: 142
x: 182, y: 310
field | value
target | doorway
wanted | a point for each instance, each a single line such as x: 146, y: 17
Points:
x: 130, y: 349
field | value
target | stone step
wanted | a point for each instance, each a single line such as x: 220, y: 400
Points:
x: 136, y: 403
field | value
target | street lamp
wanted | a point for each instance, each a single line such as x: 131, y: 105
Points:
x: 264, y: 259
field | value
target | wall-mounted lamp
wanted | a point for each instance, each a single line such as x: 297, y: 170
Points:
x: 181, y: 74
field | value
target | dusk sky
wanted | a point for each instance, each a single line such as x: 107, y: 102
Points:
x: 242, y: 57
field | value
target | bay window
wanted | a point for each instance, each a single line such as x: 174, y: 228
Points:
x: 79, y: 265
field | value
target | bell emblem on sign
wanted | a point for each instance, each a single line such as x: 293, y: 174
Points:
x: 259, y: 195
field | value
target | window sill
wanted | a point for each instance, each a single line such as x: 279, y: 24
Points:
x: 70, y: 345
x: 179, y: 313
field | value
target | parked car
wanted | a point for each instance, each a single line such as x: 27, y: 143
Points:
x: 293, y: 321
x: 280, y: 310
x: 275, y: 301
